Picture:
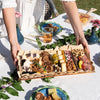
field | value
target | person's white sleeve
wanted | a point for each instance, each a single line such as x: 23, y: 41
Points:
x: 67, y: 0
x: 8, y: 3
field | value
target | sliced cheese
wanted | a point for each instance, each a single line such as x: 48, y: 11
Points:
x: 62, y: 61
x: 52, y: 91
x: 59, y: 52
x: 63, y: 67
x: 60, y: 57
x: 55, y: 97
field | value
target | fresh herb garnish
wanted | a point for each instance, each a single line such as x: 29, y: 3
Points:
x: 37, y: 64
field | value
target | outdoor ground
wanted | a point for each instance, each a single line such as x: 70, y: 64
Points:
x: 82, y: 4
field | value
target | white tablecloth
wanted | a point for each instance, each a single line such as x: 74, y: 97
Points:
x: 78, y: 87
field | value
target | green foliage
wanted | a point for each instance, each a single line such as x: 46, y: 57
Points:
x: 60, y: 42
x: 82, y: 4
x: 43, y: 47
x: 28, y: 81
x: 38, y: 42
x: 48, y: 46
x: 71, y: 39
x: 88, y: 4
x: 4, y: 96
x: 48, y: 79
x: 98, y: 32
x: 88, y: 33
x: 11, y: 85
x: 12, y: 91
x: 53, y: 45
x: 17, y: 86
x: 37, y: 64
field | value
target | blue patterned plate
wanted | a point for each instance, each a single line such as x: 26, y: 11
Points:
x: 61, y: 93
x: 43, y: 25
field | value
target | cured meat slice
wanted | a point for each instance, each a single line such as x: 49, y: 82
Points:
x: 39, y: 96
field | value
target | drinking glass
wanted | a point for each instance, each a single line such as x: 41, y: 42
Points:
x: 47, y: 36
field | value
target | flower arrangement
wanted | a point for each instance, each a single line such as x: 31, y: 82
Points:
x: 95, y: 23
x: 94, y: 36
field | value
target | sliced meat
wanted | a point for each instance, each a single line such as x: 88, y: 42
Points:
x: 76, y: 62
x: 44, y: 53
x: 40, y: 70
x: 49, y: 68
x: 87, y: 65
x: 45, y: 58
x: 47, y: 98
x: 39, y: 96
x: 34, y: 68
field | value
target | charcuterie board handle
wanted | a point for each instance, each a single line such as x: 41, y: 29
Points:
x: 91, y: 10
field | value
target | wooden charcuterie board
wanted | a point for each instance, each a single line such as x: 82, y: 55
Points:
x: 85, y: 18
x: 65, y: 60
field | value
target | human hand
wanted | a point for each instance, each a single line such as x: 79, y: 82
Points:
x: 82, y: 40
x: 14, y: 51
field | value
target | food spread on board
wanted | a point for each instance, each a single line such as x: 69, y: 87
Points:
x: 65, y: 60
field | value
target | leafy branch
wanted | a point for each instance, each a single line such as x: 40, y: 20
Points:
x: 10, y: 85
x: 48, y: 79
x: 71, y: 39
x: 60, y: 42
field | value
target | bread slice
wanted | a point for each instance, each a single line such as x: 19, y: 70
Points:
x: 55, y: 97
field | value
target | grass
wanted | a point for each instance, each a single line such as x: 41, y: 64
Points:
x: 82, y: 4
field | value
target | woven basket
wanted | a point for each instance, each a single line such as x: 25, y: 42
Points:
x: 48, y: 10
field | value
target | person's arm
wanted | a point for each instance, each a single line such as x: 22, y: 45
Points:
x: 10, y: 22
x: 73, y: 15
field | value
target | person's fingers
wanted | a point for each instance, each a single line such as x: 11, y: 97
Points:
x: 14, y: 57
x: 14, y: 51
x: 83, y: 41
x: 87, y: 49
x: 15, y: 60
x: 77, y: 40
x: 85, y: 44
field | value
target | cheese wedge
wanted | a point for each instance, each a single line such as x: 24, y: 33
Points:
x: 63, y: 67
